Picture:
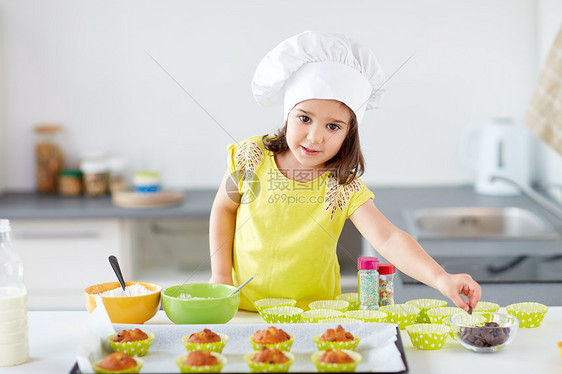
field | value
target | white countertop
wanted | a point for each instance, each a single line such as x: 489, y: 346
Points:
x: 54, y: 337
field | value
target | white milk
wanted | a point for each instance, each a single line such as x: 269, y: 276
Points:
x: 14, y: 345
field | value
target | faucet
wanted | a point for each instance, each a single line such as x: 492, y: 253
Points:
x: 531, y: 194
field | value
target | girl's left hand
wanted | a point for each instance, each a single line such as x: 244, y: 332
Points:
x: 456, y: 285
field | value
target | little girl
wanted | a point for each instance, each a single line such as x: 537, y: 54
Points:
x: 284, y: 199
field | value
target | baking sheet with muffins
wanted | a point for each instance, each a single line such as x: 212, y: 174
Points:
x: 380, y: 345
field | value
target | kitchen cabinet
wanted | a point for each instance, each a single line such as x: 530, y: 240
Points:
x: 63, y: 257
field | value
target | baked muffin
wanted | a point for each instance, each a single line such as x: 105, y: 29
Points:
x: 132, y: 342
x: 272, y: 337
x: 118, y: 362
x: 200, y: 362
x: 337, y: 338
x: 269, y: 360
x: 340, y: 360
x: 205, y: 340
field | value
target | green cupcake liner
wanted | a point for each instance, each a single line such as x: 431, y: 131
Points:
x: 352, y: 298
x: 401, y: 314
x: 179, y: 360
x: 340, y: 305
x: 323, y: 367
x: 258, y: 367
x: 424, y: 305
x: 212, y: 347
x: 315, y: 315
x: 427, y: 336
x: 283, y: 346
x: 135, y: 369
x: 282, y: 314
x: 441, y: 314
x: 273, y: 301
x: 530, y: 314
x: 342, y: 319
x: 136, y: 348
x: 367, y: 315
x: 486, y: 306
x: 322, y: 345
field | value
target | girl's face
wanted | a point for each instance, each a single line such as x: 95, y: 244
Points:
x: 316, y: 129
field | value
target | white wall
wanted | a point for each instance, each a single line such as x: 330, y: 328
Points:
x: 85, y: 64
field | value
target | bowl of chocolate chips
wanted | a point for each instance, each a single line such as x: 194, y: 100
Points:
x: 484, y: 331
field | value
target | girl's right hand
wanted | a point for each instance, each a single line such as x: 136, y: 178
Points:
x: 221, y: 279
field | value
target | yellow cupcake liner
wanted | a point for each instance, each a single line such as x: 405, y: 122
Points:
x: 322, y: 345
x: 136, y: 348
x: 212, y: 347
x: 258, y: 367
x: 530, y: 314
x: 315, y: 315
x: 442, y: 314
x: 367, y: 315
x: 282, y: 314
x: 134, y: 369
x: 339, y: 305
x: 486, y: 306
x: 273, y: 301
x: 352, y: 298
x: 342, y: 319
x: 401, y: 314
x: 283, y: 346
x: 323, y: 367
x: 427, y: 336
x: 179, y: 360
x: 424, y: 305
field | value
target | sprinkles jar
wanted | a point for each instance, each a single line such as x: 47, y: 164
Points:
x: 368, y: 282
x: 386, y: 283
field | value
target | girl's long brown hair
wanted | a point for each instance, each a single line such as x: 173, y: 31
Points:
x: 346, y: 165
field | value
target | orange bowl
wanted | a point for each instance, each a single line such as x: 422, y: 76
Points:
x: 127, y: 309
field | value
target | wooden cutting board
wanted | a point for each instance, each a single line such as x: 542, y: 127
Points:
x: 131, y: 199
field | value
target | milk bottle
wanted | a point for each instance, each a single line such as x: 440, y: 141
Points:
x: 14, y: 346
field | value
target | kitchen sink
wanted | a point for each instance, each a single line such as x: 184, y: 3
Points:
x: 478, y: 223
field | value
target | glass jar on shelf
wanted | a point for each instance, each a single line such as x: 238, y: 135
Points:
x: 49, y: 157
x: 95, y: 177
x: 70, y: 182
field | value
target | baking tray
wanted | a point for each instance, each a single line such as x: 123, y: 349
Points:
x: 169, y: 345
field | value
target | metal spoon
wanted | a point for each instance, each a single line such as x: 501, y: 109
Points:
x: 117, y: 269
x: 242, y: 285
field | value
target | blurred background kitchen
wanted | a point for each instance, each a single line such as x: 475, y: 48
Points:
x: 164, y: 86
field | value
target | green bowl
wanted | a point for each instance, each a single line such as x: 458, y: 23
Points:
x: 209, y: 303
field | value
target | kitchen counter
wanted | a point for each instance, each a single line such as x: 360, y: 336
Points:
x: 55, y: 335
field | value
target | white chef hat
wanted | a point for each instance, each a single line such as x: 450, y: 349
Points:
x: 319, y: 65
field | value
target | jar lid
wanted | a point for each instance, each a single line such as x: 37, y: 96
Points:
x: 93, y: 167
x: 367, y: 263
x: 386, y: 268
x: 48, y: 128
x: 70, y: 173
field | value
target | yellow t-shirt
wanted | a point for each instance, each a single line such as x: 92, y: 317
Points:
x: 287, y: 231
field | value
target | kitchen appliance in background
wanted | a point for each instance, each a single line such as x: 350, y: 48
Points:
x: 499, y: 147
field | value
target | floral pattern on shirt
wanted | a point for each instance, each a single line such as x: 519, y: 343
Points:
x: 247, y: 159
x: 338, y: 196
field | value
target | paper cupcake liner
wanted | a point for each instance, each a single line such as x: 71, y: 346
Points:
x: 136, y: 348
x: 179, y: 360
x: 367, y: 315
x: 323, y: 367
x: 283, y: 346
x: 339, y: 305
x: 273, y: 301
x: 282, y: 314
x: 530, y: 314
x: 401, y: 314
x: 322, y: 345
x: 352, y: 298
x: 315, y: 315
x: 441, y: 315
x: 342, y: 319
x: 486, y: 306
x: 258, y: 367
x: 135, y: 369
x: 559, y: 345
x: 427, y: 336
x: 424, y: 305
x: 212, y: 347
